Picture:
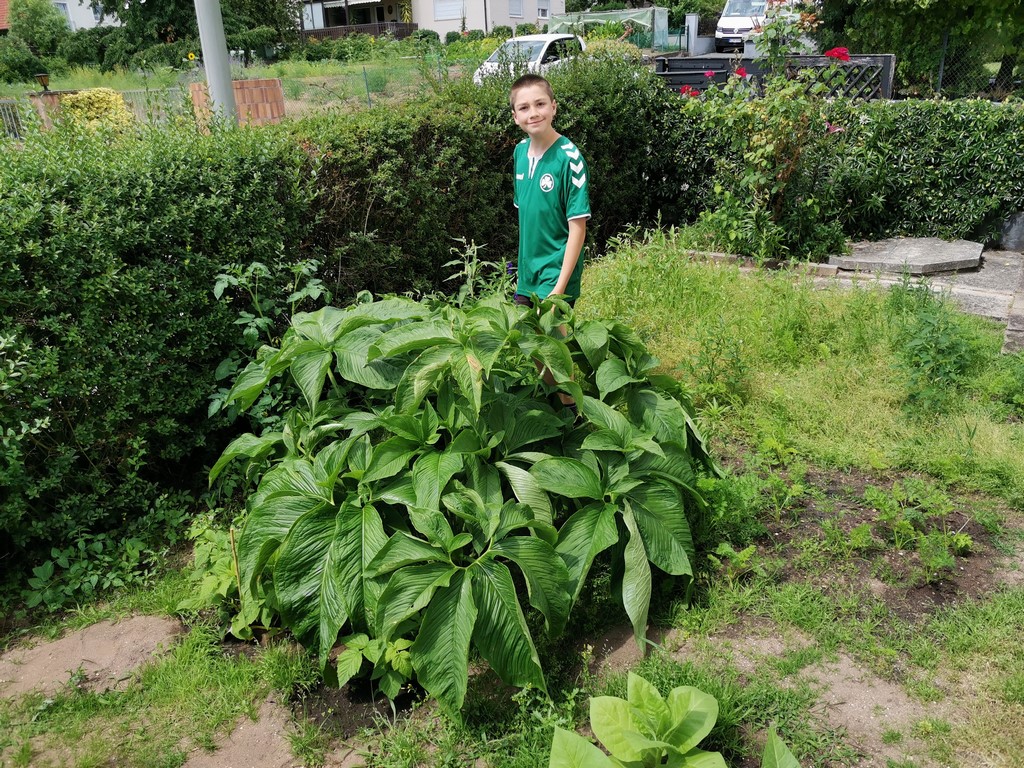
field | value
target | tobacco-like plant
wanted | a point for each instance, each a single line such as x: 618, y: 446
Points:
x: 647, y: 730
x: 423, y: 483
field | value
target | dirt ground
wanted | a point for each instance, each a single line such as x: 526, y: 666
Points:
x: 860, y: 702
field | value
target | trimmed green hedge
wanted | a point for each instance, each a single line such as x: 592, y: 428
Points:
x: 111, y: 243
x: 949, y: 169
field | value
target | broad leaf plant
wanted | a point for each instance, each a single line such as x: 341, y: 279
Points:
x: 426, y: 484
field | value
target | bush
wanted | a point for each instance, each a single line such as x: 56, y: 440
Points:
x: 96, y: 107
x: 112, y: 248
x: 86, y: 47
x: 501, y: 31
x: 426, y: 36
x: 614, y: 49
x: 526, y: 29
x: 452, y: 36
x: 17, y: 62
x: 472, y: 35
x: 946, y: 169
x: 401, y: 183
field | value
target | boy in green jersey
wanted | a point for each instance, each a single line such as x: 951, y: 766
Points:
x: 552, y: 195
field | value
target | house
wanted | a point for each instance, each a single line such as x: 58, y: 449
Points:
x: 81, y: 15
x: 334, y: 18
x: 447, y: 15
x: 4, y: 24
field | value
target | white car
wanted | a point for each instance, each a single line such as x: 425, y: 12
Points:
x: 530, y: 53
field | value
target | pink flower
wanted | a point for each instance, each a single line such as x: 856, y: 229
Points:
x: 709, y: 73
x: 741, y: 71
x: 839, y: 54
x: 833, y: 128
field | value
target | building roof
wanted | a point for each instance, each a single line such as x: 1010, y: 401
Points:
x: 3, y: 15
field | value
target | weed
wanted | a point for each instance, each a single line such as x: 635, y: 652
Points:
x: 892, y: 736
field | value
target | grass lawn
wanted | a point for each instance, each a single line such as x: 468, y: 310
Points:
x: 865, y: 594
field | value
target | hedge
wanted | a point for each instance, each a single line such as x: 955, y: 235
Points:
x: 111, y: 243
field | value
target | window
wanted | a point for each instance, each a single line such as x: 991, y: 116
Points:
x: 97, y: 14
x: 515, y: 8
x: 446, y: 10
x: 63, y: 8
x: 542, y: 9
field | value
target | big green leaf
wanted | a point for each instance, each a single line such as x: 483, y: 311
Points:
x: 440, y: 654
x: 468, y: 372
x: 570, y: 750
x: 389, y: 458
x: 360, y: 537
x: 247, y: 445
x: 430, y: 474
x: 567, y: 477
x: 658, y: 512
x: 421, y: 375
x: 612, y: 376
x: 501, y: 633
x: 693, y: 716
x: 584, y: 536
x: 636, y: 579
x: 310, y: 372
x: 592, y: 336
x: 776, y: 753
x: 403, y: 549
x: 614, y: 723
x: 546, y: 577
x: 411, y: 336
x: 352, y: 351
x: 307, y: 580
x: 408, y: 592
x: 527, y: 490
x: 271, y: 517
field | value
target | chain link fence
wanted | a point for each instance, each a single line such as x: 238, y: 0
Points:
x: 977, y: 65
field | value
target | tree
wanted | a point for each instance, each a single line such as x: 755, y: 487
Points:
x: 39, y: 24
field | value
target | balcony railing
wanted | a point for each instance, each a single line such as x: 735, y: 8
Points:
x: 396, y: 29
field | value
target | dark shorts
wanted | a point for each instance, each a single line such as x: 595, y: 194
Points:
x: 525, y: 301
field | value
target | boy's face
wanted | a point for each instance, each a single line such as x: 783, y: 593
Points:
x: 533, y: 110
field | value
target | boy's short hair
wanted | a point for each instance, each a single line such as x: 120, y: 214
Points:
x: 526, y: 81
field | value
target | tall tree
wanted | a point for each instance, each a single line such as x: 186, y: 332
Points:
x: 39, y: 24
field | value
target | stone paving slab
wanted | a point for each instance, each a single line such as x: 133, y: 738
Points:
x: 1013, y: 341
x: 913, y: 255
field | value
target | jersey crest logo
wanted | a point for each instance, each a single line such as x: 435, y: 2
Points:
x: 547, y: 182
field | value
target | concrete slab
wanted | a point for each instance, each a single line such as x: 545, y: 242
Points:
x: 1013, y: 341
x: 914, y: 255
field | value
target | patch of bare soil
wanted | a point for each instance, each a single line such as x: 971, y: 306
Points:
x: 908, y: 587
x: 98, y: 658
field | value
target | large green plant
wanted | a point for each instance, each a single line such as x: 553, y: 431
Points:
x: 422, y: 465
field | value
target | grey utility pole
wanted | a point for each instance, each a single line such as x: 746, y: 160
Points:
x: 215, y: 59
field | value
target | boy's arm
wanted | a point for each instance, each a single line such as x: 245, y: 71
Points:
x: 573, y: 247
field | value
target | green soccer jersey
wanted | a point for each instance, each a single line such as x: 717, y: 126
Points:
x: 549, y: 191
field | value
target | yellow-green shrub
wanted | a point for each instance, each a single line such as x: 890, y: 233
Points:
x: 96, y: 107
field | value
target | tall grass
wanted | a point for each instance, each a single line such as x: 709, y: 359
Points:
x: 80, y: 78
x: 826, y: 372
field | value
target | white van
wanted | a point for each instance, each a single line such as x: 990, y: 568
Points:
x: 739, y: 19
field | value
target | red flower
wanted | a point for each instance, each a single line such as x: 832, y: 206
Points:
x: 741, y: 71
x: 840, y: 54
x: 709, y: 73
x: 689, y: 90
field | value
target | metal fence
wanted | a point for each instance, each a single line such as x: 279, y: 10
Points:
x: 975, y: 64
x: 158, y: 106
x: 10, y: 118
